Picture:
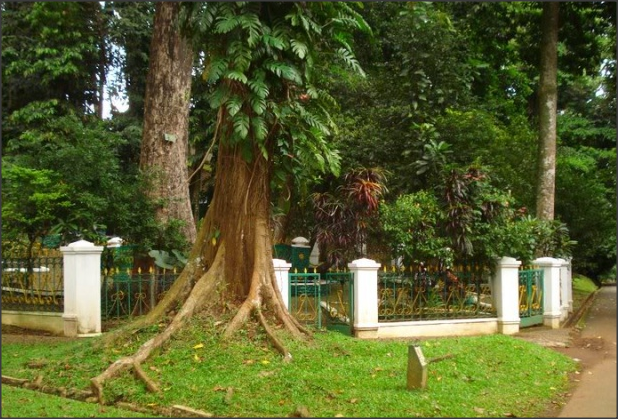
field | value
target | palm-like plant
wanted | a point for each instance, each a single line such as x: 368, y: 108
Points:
x: 342, y: 219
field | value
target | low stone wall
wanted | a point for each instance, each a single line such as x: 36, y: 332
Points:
x: 49, y: 322
x: 438, y: 328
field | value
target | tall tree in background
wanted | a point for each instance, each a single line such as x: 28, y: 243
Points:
x: 131, y: 30
x: 260, y: 60
x: 548, y: 103
x: 166, y: 121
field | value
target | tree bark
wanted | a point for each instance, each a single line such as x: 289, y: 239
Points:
x: 548, y: 102
x: 166, y: 120
x: 230, y: 265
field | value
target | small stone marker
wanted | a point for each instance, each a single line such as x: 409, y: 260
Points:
x: 417, y: 368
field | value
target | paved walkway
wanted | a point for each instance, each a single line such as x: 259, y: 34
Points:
x: 595, y: 395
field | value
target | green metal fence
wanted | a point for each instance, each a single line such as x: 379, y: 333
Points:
x: 33, y: 283
x: 323, y: 301
x: 337, y: 301
x: 530, y: 297
x: 127, y: 294
x: 305, y: 293
x: 431, y: 293
x: 37, y: 284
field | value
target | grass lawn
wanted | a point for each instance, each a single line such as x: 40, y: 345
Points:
x: 330, y: 375
x: 23, y: 403
x: 582, y: 288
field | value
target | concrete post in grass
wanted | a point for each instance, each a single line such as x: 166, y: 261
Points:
x: 417, y: 368
x: 282, y: 270
x: 365, y: 273
x: 551, y: 291
x: 82, y: 288
x: 505, y: 290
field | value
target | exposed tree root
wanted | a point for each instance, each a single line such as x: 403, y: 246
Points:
x: 37, y: 384
x: 173, y: 295
x: 287, y: 356
x: 12, y: 381
x: 194, y: 302
x: 141, y: 374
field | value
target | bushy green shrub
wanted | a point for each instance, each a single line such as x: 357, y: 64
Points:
x: 471, y: 220
x: 411, y: 226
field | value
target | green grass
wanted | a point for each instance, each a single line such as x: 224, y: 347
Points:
x: 583, y: 284
x: 330, y: 375
x: 22, y: 403
x: 582, y: 288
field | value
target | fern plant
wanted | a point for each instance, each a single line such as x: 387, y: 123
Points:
x: 260, y: 60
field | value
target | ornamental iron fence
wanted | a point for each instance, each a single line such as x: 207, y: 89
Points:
x: 33, y: 283
x: 323, y: 300
x: 531, y: 297
x: 427, y: 292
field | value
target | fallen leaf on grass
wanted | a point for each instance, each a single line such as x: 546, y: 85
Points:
x: 198, y: 346
x: 353, y: 401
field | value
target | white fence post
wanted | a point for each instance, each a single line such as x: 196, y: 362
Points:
x: 564, y: 289
x: 505, y: 289
x: 365, y: 273
x: 551, y: 292
x: 282, y: 269
x: 82, y: 288
x: 569, y: 275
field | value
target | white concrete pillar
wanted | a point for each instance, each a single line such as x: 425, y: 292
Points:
x: 82, y: 288
x: 564, y: 290
x: 365, y: 273
x: 551, y: 290
x: 505, y: 292
x: 570, y: 283
x: 282, y: 269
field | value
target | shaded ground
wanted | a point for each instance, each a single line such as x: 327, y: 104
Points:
x: 14, y: 334
x: 570, y: 342
x: 592, y: 389
x: 595, y: 395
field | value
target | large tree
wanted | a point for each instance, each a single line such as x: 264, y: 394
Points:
x: 259, y: 59
x: 166, y: 120
x: 548, y: 112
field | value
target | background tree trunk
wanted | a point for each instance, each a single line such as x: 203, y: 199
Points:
x: 166, y: 120
x: 548, y: 102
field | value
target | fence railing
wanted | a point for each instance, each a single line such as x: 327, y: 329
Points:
x: 531, y: 296
x: 36, y: 284
x: 322, y: 300
x: 127, y: 294
x: 32, y: 284
x: 425, y: 293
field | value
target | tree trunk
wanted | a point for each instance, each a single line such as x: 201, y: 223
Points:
x: 548, y: 102
x: 166, y: 120
x: 230, y: 265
